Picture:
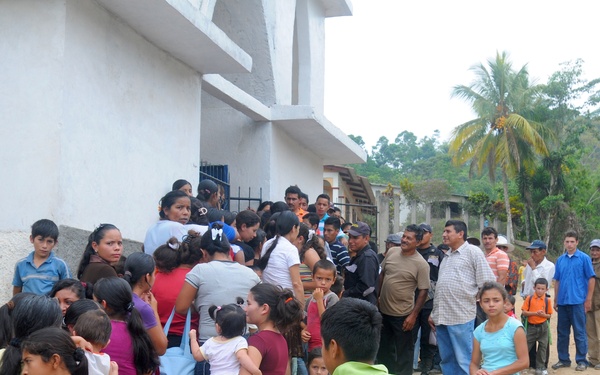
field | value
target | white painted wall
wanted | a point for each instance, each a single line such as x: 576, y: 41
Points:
x: 96, y: 122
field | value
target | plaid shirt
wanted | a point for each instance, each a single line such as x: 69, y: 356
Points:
x: 462, y: 273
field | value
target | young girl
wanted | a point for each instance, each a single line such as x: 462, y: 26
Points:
x: 130, y: 346
x: 50, y: 351
x: 227, y: 351
x: 316, y: 364
x: 509, y: 307
x: 140, y: 272
x: 273, y: 310
x: 500, y: 340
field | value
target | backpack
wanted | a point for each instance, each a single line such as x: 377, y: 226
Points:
x: 512, y: 278
x: 525, y: 322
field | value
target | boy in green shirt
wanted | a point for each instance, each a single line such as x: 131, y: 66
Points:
x: 350, y: 332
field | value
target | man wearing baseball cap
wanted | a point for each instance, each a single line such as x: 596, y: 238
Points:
x: 393, y: 240
x: 362, y: 273
x: 537, y: 266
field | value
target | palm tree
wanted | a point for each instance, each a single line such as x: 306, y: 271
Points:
x: 500, y: 137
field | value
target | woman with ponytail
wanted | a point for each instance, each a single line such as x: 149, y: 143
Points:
x: 140, y: 273
x: 218, y: 282
x: 102, y: 253
x: 274, y: 310
x: 279, y: 260
x: 51, y: 351
x: 174, y: 260
x: 130, y: 345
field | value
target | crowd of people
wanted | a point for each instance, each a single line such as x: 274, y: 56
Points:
x: 291, y: 288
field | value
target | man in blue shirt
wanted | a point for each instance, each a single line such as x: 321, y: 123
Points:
x: 573, y: 290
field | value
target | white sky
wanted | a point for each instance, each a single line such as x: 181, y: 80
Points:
x: 392, y: 65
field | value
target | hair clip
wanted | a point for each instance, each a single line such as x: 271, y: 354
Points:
x: 174, y: 246
x: 15, y: 342
x: 202, y: 211
x: 216, y: 233
x: 218, y: 308
x: 129, y: 307
x: 288, y: 300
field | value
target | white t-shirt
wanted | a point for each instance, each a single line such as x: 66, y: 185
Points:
x: 98, y: 363
x: 222, y: 355
x: 284, y: 256
x: 160, y: 232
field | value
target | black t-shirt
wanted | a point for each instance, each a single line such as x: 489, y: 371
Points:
x: 247, y: 249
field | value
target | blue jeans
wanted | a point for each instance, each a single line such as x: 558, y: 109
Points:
x: 571, y: 316
x: 455, y: 343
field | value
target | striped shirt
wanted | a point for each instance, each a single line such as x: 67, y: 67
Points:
x: 498, y: 261
x: 462, y: 273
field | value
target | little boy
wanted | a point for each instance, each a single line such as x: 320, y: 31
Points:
x: 41, y: 269
x: 593, y: 316
x: 350, y: 332
x: 94, y: 326
x: 538, y: 309
x: 324, y: 274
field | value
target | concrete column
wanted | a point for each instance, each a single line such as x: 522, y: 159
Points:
x: 383, y: 230
x: 413, y: 212
x: 428, y: 213
x: 396, y: 223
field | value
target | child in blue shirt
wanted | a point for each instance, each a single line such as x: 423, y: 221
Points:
x: 41, y: 269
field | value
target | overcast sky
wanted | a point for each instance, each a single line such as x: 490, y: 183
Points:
x: 392, y: 65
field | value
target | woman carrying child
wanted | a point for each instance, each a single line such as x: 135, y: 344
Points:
x: 228, y: 350
x: 273, y: 310
x: 130, y: 345
x: 500, y: 340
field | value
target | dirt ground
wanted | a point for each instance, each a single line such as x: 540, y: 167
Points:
x: 553, y: 352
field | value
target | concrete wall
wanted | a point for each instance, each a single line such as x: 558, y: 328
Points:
x: 71, y: 244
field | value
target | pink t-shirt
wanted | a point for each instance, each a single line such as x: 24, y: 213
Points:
x: 313, y: 320
x: 120, y: 348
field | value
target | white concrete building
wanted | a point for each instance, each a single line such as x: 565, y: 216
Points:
x: 104, y: 103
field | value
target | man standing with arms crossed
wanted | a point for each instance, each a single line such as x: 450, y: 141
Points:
x: 462, y: 273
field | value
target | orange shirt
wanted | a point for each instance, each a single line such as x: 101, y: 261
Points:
x: 534, y: 303
x: 300, y: 214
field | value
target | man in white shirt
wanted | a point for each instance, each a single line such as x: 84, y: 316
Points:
x: 537, y: 266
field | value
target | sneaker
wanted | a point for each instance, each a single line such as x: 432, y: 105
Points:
x: 560, y: 364
x: 597, y: 367
x: 542, y: 372
x: 581, y: 366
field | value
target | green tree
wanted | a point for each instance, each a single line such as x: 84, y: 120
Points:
x: 499, y: 137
